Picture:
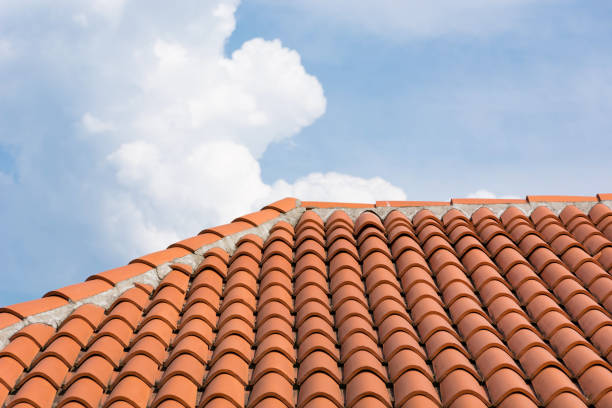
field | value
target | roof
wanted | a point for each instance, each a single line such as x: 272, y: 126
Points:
x: 466, y: 303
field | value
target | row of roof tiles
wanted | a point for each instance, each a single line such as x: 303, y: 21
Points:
x: 530, y: 199
x: 106, y: 280
x: 456, y: 312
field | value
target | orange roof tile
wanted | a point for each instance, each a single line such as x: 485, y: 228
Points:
x: 409, y: 203
x: 326, y: 204
x: 428, y: 309
x: 535, y: 198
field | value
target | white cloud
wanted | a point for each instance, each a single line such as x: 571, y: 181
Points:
x: 339, y: 187
x: 482, y: 193
x: 94, y: 125
x: 192, y: 134
x: 183, y: 124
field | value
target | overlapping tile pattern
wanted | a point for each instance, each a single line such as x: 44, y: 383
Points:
x: 424, y: 312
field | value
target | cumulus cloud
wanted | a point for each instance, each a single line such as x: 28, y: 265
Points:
x: 339, y: 187
x: 181, y: 125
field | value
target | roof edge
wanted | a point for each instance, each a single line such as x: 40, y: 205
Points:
x: 152, y: 269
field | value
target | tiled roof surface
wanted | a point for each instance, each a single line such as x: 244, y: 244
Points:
x: 506, y: 305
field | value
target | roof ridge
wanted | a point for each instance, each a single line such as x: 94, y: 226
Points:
x: 530, y: 199
x: 105, y: 287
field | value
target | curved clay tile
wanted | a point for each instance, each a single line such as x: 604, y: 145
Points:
x: 348, y: 292
x: 339, y: 217
x: 229, y: 364
x: 311, y: 261
x: 275, y: 343
x: 248, y: 248
x: 359, y: 342
x: 315, y: 324
x: 185, y: 365
x: 373, y: 244
x: 272, y: 385
x: 319, y: 385
x: 309, y: 234
x: 599, y: 212
x: 243, y: 263
x: 401, y: 340
x: 481, y: 215
x: 338, y: 233
x: 274, y: 362
x: 542, y: 213
x: 274, y: 325
x: 370, y: 231
x: 366, y: 384
x: 512, y: 213
x: 259, y: 217
x: 319, y: 361
x: 423, y: 216
x: 342, y: 245
x: 368, y: 218
x: 390, y: 304
x: 317, y: 342
x: 414, y: 383
x: 279, y: 234
x: 224, y: 386
x: 569, y: 213
x: 494, y: 359
x: 232, y: 344
x: 38, y: 392
x: 345, y: 276
x: 551, y: 382
x: 178, y: 389
x: 276, y: 263
x: 280, y: 248
x: 363, y: 361
x: 395, y: 217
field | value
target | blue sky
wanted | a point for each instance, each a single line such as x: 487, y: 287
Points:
x: 125, y: 126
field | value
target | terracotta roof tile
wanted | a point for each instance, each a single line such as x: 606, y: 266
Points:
x: 24, y: 309
x: 194, y: 243
x: 283, y: 205
x: 552, y: 198
x: 116, y: 275
x: 157, y: 258
x: 82, y: 290
x: 410, y: 203
x: 467, y: 310
x: 488, y: 201
x: 325, y: 204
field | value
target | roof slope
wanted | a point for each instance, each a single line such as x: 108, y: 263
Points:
x: 395, y: 304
